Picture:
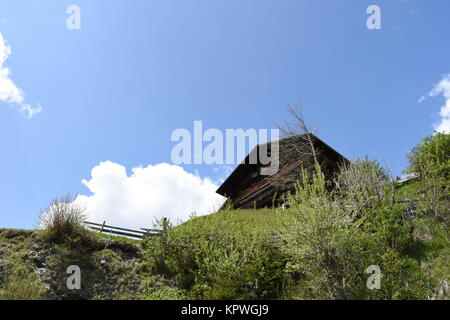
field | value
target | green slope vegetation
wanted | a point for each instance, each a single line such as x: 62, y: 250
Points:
x: 318, y: 248
x: 322, y: 246
x: 242, y: 220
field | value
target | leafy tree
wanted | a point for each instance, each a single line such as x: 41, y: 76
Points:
x: 431, y: 157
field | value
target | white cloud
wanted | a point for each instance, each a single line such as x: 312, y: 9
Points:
x: 28, y: 111
x: 155, y: 191
x: 443, y: 87
x: 9, y: 92
x: 421, y: 99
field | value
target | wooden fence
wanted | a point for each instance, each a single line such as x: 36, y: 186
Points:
x: 137, y: 234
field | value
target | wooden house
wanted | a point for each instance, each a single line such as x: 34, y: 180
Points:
x: 248, y: 188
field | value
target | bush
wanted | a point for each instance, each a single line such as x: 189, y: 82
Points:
x: 431, y: 157
x: 210, y: 262
x: 339, y: 233
x: 237, y: 266
x: 362, y: 184
x: 326, y: 249
x: 61, y: 219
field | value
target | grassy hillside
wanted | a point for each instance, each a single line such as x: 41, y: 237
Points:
x: 242, y: 220
x: 322, y: 247
x: 235, y: 254
x: 32, y: 267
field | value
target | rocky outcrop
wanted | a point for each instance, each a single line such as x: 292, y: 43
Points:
x: 108, y: 269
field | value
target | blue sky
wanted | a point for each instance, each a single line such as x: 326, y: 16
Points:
x: 117, y: 88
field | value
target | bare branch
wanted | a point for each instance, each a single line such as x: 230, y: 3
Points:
x: 297, y: 126
x: 297, y: 149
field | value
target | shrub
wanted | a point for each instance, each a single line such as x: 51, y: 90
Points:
x: 61, y: 219
x: 326, y: 250
x: 362, y: 184
x: 210, y: 262
x: 238, y: 266
x: 339, y: 233
x: 431, y: 157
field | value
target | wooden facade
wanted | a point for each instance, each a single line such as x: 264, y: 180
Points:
x: 247, y: 188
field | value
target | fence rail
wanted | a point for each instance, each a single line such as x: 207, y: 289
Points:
x: 137, y: 234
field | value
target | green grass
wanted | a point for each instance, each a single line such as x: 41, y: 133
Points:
x: 245, y: 220
x: 19, y: 282
x: 112, y: 237
x: 411, y: 189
